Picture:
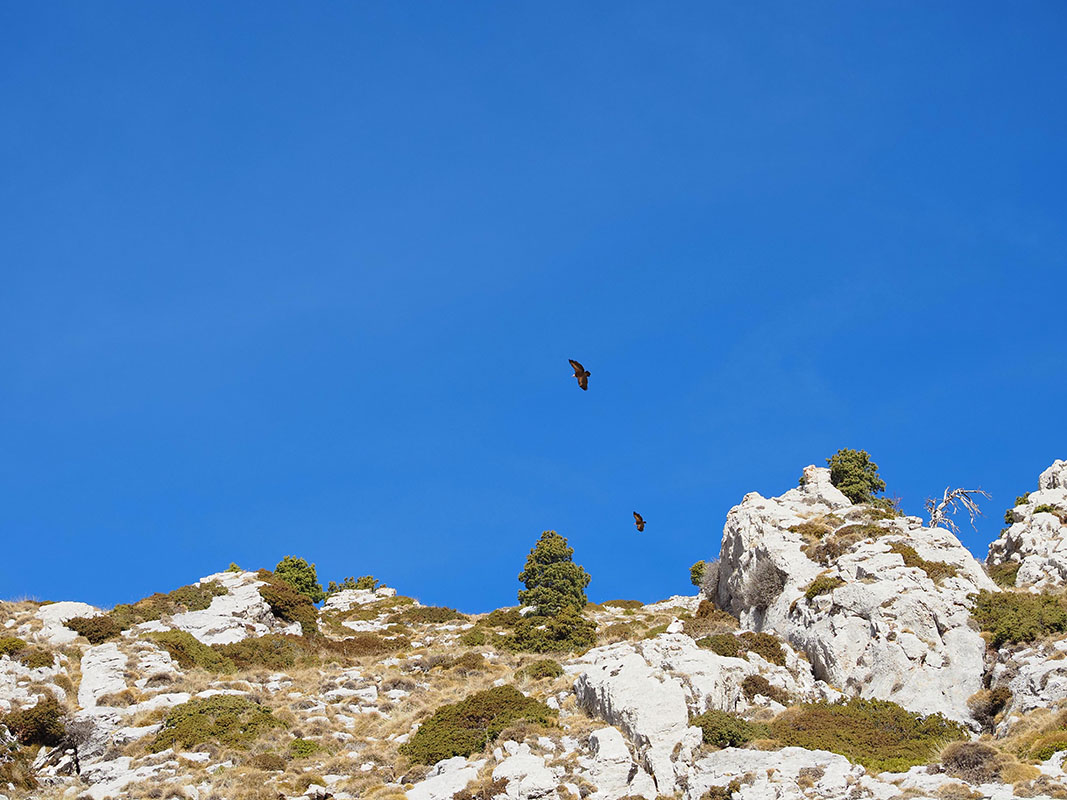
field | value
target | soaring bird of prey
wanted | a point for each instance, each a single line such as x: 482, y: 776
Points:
x: 581, y: 374
x: 639, y: 521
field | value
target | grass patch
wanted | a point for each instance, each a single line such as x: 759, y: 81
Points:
x: 708, y: 621
x: 227, y: 719
x: 1004, y: 574
x: 827, y: 550
x: 936, y: 570
x: 738, y: 645
x: 543, y: 668
x: 28, y: 655
x: 189, y: 652
x: 754, y: 685
x: 1018, y: 617
x: 878, y: 734
x: 631, y: 604
x: 427, y: 614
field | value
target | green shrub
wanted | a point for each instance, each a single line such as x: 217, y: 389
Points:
x: 466, y: 727
x: 273, y: 651
x: 35, y: 657
x: 189, y: 652
x: 1018, y: 617
x: 1045, y: 508
x: 95, y: 629
x: 475, y: 637
x: 427, y: 614
x: 822, y: 584
x: 542, y: 668
x: 364, y: 644
x: 708, y: 620
x: 1048, y: 745
x: 300, y: 576
x: 883, y: 508
x: 40, y: 725
x: 722, y: 729
x: 368, y: 582
x: 855, y: 475
x: 811, y: 529
x: 553, y: 581
x: 936, y: 570
x: 1004, y: 574
x: 286, y: 603
x: 566, y: 632
x: 10, y: 645
x: 233, y: 567
x: 468, y: 662
x: 878, y: 734
x: 696, y: 573
x: 754, y: 685
x: 224, y: 718
x: 737, y: 645
x: 1009, y: 517
x: 302, y: 748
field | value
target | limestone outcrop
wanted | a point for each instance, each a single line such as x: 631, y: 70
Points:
x: 1036, y: 540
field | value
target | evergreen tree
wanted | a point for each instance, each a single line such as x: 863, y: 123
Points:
x: 301, y: 576
x: 855, y: 475
x: 552, y: 580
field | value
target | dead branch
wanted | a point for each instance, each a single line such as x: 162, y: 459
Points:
x: 951, y: 502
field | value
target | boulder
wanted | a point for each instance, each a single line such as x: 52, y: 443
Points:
x: 527, y: 776
x: 103, y: 672
x: 445, y: 779
x: 613, y: 770
x: 882, y: 628
x: 53, y: 615
x: 1037, y: 541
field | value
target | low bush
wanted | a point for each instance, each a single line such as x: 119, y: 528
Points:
x: 273, y: 651
x: 268, y: 762
x: 737, y: 645
x: 566, y: 632
x: 227, y: 719
x: 722, y: 792
x: 10, y: 645
x: 1046, y: 746
x: 936, y: 570
x: 290, y: 605
x: 35, y: 657
x: 427, y: 614
x: 41, y: 724
x: 475, y: 637
x: 986, y: 704
x: 1018, y: 617
x: 466, y: 727
x: 468, y: 662
x: 368, y: 582
x: 96, y: 629
x: 189, y: 652
x: 830, y: 548
x: 754, y: 685
x: 1004, y: 574
x: 302, y: 748
x: 708, y: 620
x: 543, y: 668
x: 973, y: 762
x: 811, y: 529
x: 823, y: 584
x: 722, y: 729
x: 1058, y: 513
x: 764, y: 584
x: 364, y: 644
x: 855, y: 475
x: 878, y: 734
x: 16, y: 771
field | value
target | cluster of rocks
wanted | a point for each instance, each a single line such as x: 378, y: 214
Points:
x: 863, y: 603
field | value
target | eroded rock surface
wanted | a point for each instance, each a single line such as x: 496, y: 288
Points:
x: 1037, y: 540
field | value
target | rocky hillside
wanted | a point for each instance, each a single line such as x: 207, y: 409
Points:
x: 837, y: 649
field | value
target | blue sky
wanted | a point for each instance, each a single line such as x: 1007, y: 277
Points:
x: 295, y: 278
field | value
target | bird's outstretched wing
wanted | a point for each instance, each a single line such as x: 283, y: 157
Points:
x: 577, y: 367
x: 583, y: 381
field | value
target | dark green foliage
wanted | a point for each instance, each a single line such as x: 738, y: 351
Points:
x: 696, y: 573
x: 553, y: 581
x: 368, y: 582
x: 302, y: 748
x: 288, y: 604
x: 226, y: 719
x: 937, y: 570
x: 40, y: 725
x: 1012, y: 617
x: 543, y: 668
x: 1045, y: 508
x: 821, y: 585
x: 466, y: 727
x: 10, y: 645
x: 301, y: 576
x: 1004, y: 574
x: 722, y: 729
x: 427, y: 614
x: 95, y: 629
x: 1009, y: 518
x: 754, y: 685
x: 737, y: 645
x: 35, y: 657
x: 566, y: 632
x: 273, y: 651
x: 878, y: 734
x: 855, y: 475
x: 189, y: 652
x: 475, y: 637
x: 1048, y: 745
x: 233, y: 567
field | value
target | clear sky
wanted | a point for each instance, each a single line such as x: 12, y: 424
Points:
x: 303, y: 278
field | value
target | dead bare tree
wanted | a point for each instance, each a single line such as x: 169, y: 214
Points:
x: 953, y: 500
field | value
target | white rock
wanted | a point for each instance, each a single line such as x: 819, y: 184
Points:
x: 890, y: 631
x: 53, y: 615
x: 347, y: 598
x: 103, y: 672
x: 445, y: 779
x: 612, y: 769
x: 527, y: 776
x: 1037, y: 542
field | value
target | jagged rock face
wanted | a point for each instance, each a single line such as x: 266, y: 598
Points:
x: 1037, y: 542
x: 887, y: 630
x: 1036, y: 675
x: 650, y: 689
